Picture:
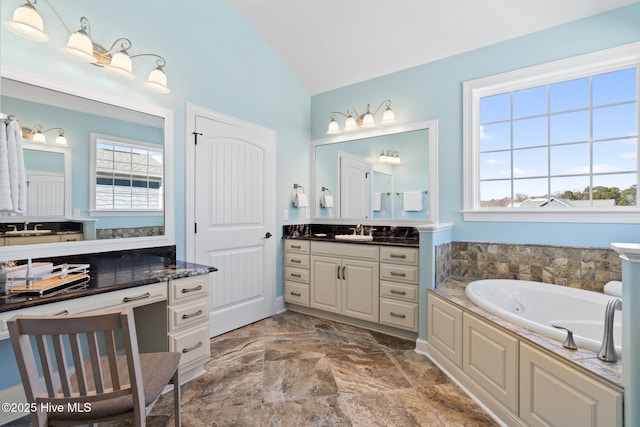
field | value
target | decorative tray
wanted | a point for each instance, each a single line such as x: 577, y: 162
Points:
x: 62, y: 275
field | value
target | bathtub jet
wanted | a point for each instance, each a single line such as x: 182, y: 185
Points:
x: 537, y: 306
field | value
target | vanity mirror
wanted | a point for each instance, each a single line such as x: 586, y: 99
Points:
x: 122, y: 189
x: 384, y: 176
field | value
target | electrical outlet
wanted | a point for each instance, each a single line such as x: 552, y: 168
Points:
x: 285, y: 215
x: 307, y: 213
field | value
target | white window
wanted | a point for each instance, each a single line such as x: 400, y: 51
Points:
x: 127, y: 176
x: 556, y: 142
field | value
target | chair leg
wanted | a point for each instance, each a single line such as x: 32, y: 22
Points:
x: 176, y: 398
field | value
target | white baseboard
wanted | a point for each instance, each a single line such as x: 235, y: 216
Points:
x: 279, y: 305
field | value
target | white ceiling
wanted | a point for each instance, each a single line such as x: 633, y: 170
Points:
x: 328, y: 44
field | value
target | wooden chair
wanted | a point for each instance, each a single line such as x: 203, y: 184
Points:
x: 91, y: 368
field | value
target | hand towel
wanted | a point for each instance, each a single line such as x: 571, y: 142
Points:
x: 6, y: 204
x: 376, y: 202
x: 614, y: 288
x: 326, y: 201
x: 301, y: 200
x: 412, y: 201
x: 17, y: 173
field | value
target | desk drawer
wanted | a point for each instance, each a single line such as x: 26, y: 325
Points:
x: 195, y: 287
x: 192, y: 344
x: 188, y: 314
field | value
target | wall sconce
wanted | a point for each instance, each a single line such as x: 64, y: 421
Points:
x: 28, y: 23
x: 36, y: 134
x: 300, y: 199
x: 366, y: 120
x: 389, y: 157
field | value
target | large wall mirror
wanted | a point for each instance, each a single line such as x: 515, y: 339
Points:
x: 110, y: 185
x: 383, y: 176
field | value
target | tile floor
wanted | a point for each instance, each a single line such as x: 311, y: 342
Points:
x: 297, y: 370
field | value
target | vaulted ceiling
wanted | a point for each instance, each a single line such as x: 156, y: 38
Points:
x: 333, y: 43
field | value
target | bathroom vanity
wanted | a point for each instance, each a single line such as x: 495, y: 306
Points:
x: 170, y: 302
x: 374, y: 283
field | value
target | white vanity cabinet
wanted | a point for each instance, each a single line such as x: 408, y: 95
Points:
x: 188, y: 323
x: 399, y: 287
x: 345, y: 279
x: 518, y: 382
x: 296, y: 272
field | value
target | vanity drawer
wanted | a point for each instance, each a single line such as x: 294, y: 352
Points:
x: 299, y: 246
x: 192, y: 344
x: 188, y: 314
x: 296, y: 293
x: 399, y: 255
x: 399, y: 273
x: 296, y: 274
x: 399, y: 291
x: 296, y: 260
x: 399, y: 314
x: 188, y: 288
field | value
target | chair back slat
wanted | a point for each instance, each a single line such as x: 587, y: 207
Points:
x: 45, y: 363
x: 96, y: 366
x: 78, y: 362
x: 61, y: 364
x: 112, y: 352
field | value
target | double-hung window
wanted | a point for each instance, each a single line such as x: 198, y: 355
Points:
x: 127, y: 176
x: 556, y: 142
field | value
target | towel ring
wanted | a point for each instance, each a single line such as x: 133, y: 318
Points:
x: 326, y: 189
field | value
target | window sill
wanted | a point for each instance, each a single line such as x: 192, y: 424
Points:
x: 127, y: 212
x: 619, y: 216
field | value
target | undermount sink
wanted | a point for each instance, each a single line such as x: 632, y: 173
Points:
x: 26, y: 232
x: 354, y: 237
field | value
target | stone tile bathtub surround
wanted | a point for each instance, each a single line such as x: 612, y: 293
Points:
x: 577, y: 267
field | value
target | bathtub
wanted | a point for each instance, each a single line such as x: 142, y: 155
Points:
x: 537, y: 306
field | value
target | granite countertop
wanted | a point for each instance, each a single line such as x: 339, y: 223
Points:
x: 111, y: 275
x: 377, y: 240
x: 453, y: 290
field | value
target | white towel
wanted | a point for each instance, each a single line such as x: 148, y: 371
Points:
x: 614, y: 288
x: 6, y: 204
x: 13, y: 179
x: 326, y: 201
x: 412, y: 201
x: 301, y: 200
x: 376, y: 202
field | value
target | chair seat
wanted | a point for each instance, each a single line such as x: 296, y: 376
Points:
x: 157, y: 371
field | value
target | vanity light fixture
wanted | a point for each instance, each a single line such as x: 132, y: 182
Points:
x: 28, y: 23
x: 36, y: 135
x: 366, y: 120
x: 390, y: 157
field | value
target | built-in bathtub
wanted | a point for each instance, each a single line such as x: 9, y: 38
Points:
x: 537, y: 306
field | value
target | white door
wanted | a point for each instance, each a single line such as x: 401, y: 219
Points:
x: 234, y: 183
x: 355, y: 174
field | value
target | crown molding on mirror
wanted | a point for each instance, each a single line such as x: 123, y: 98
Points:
x: 431, y: 126
x: 93, y: 246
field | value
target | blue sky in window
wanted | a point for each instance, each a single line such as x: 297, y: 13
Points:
x: 560, y: 133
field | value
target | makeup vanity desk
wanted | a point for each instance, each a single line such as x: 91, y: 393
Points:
x: 170, y: 301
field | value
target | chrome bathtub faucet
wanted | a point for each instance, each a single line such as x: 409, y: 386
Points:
x: 607, y: 351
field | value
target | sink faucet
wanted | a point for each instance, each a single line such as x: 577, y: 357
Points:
x: 26, y: 223
x: 607, y: 350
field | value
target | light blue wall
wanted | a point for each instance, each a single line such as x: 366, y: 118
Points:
x: 434, y: 91
x: 215, y: 59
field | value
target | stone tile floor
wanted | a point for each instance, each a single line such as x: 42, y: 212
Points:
x: 297, y: 370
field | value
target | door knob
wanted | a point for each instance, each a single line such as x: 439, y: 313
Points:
x: 267, y: 235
